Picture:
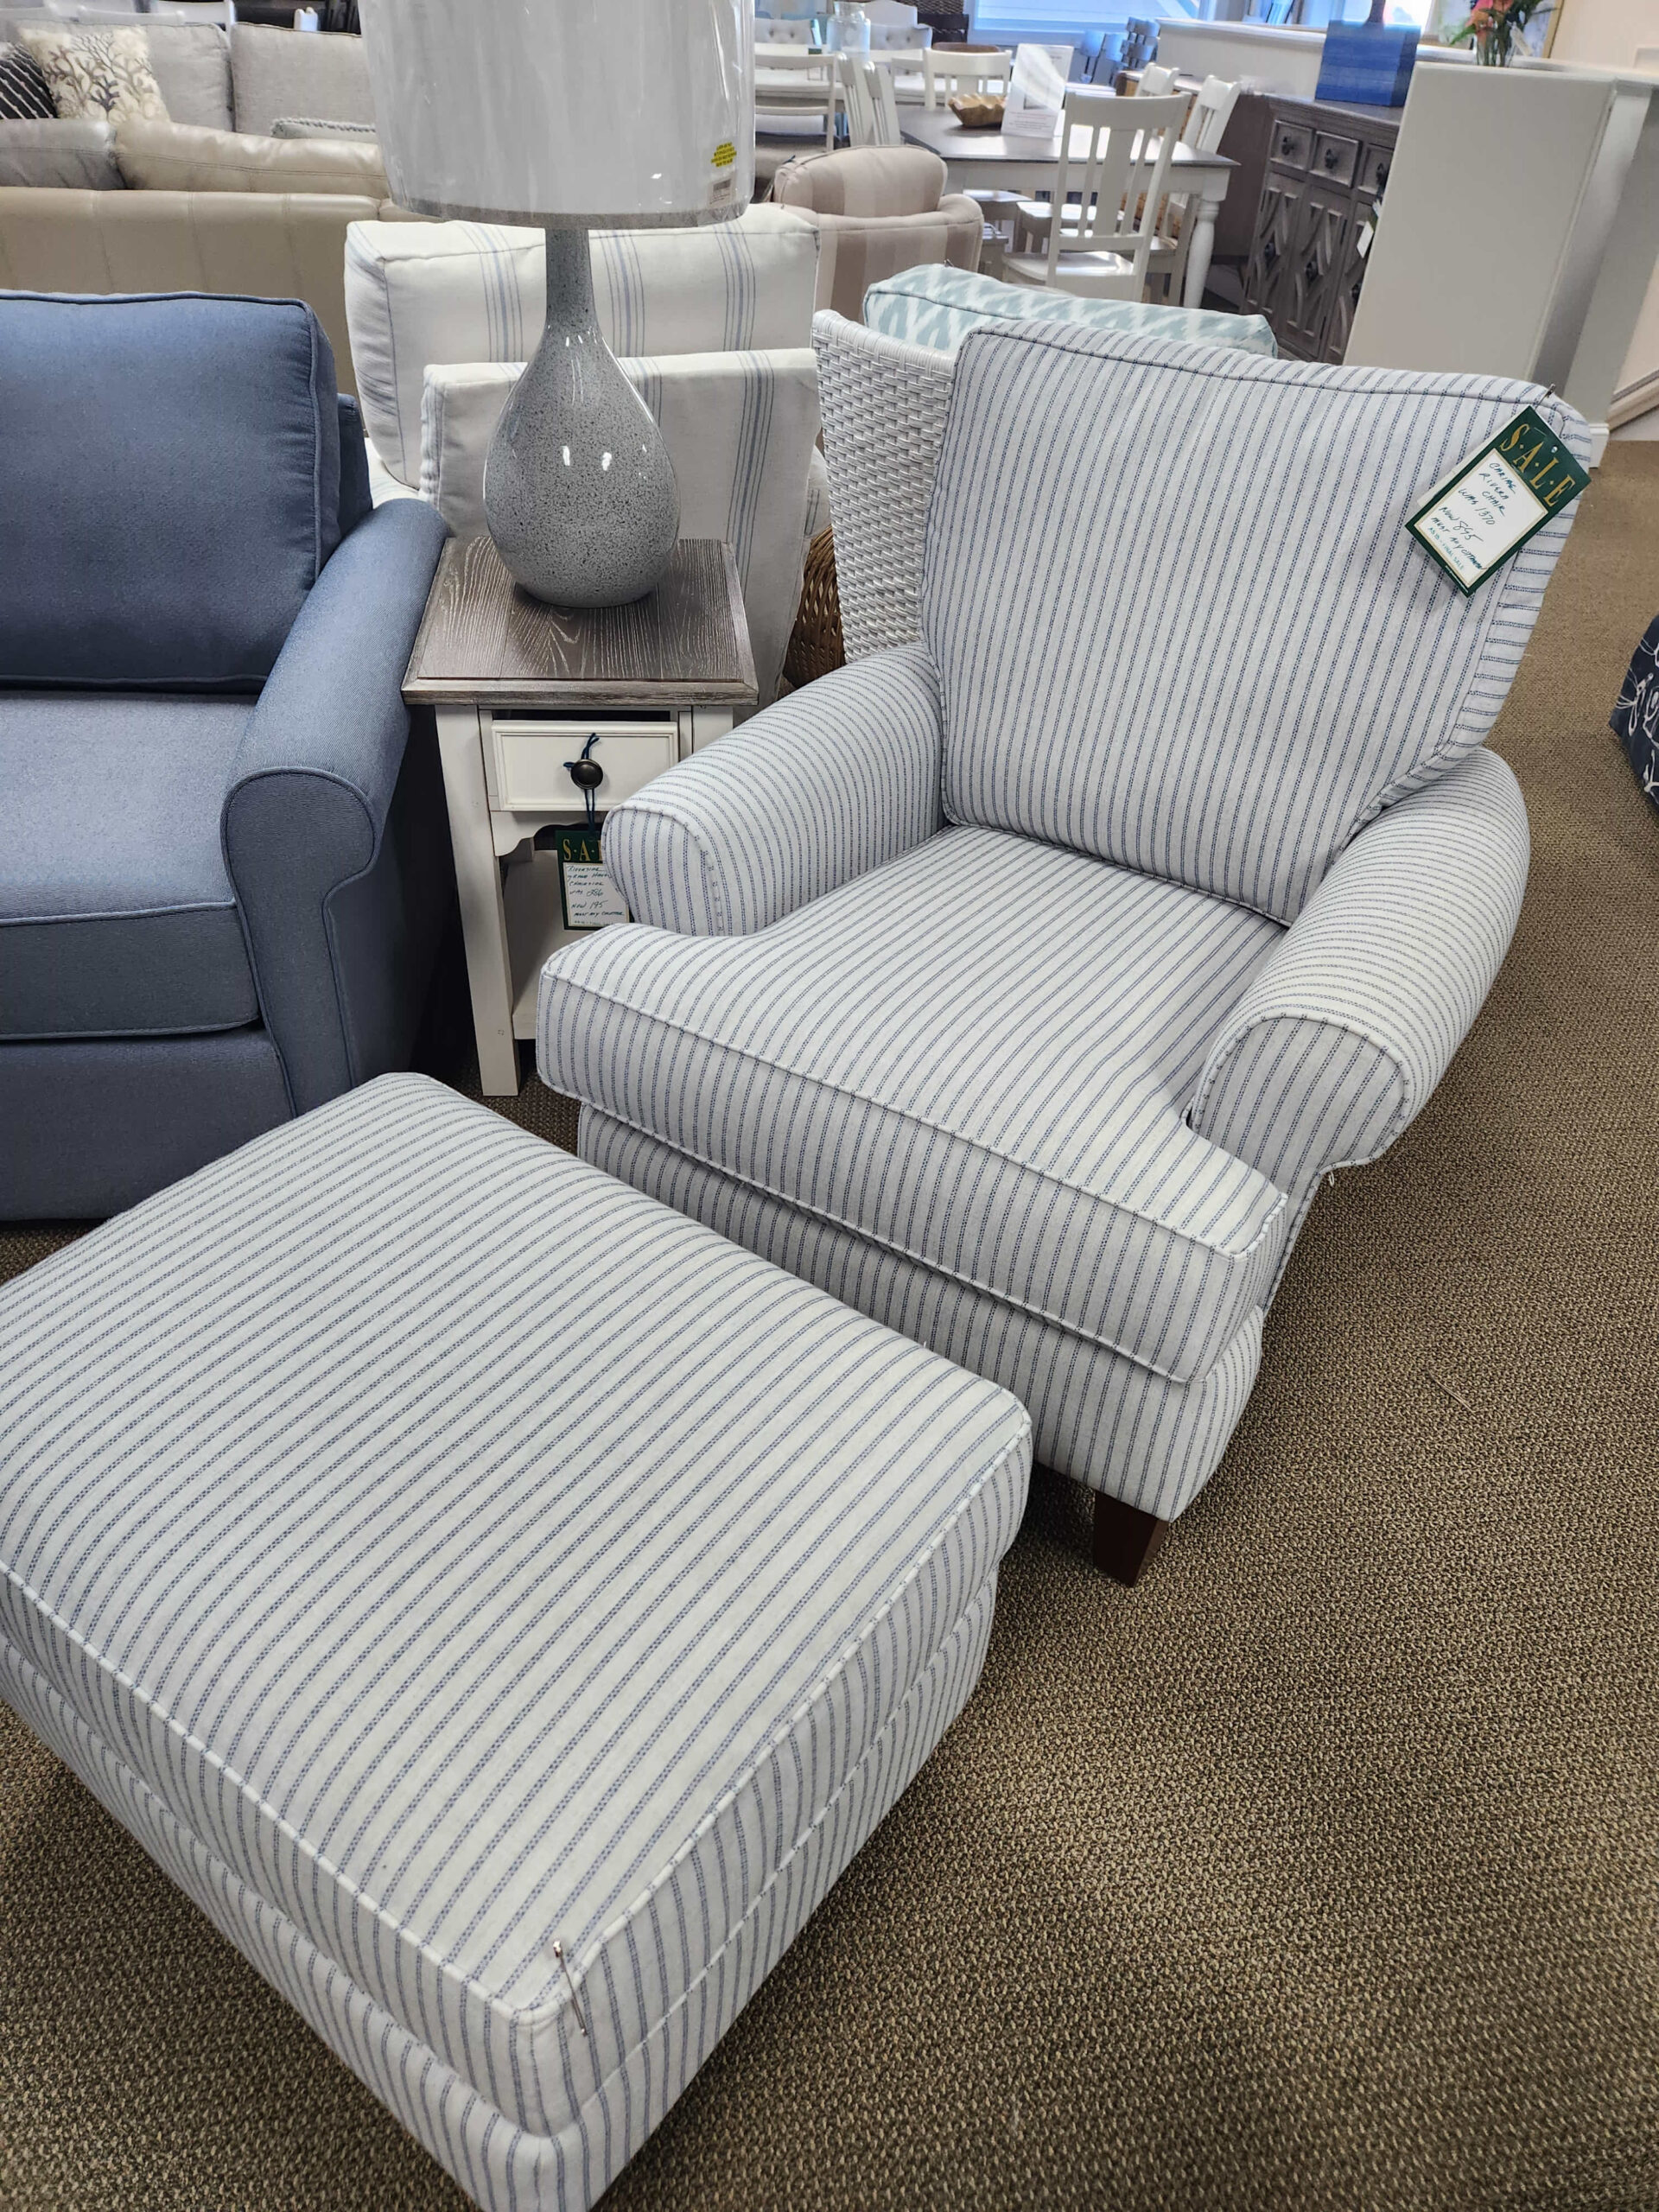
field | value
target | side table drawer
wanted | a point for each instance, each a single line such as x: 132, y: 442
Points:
x: 1292, y: 145
x: 527, y: 758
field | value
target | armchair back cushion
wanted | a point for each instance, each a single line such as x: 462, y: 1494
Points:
x: 435, y: 295
x: 1218, y: 663
x: 170, y: 479
x: 863, y: 180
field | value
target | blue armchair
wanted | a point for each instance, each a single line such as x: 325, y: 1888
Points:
x: 225, y: 867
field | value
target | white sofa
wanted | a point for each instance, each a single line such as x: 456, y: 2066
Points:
x: 712, y: 326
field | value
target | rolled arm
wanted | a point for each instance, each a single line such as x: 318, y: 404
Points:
x: 1354, y: 1017
x: 324, y: 898
x: 827, y: 784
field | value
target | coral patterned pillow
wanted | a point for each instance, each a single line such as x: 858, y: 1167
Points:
x: 98, y: 76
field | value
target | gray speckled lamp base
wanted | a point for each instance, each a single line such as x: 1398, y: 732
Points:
x: 579, y: 492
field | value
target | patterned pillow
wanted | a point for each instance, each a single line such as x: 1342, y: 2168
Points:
x: 100, y: 76
x: 25, y: 96
x: 1635, y: 720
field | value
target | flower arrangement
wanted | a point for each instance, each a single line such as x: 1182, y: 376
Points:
x: 1492, y: 27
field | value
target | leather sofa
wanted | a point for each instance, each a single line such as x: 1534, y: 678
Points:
x: 227, y: 868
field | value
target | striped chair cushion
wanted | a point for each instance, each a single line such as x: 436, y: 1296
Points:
x: 1176, y: 620
x: 438, y: 1552
x: 980, y: 1055
x: 1097, y: 1416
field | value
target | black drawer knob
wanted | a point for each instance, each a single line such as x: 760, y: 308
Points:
x: 1287, y: 145
x: 1382, y: 174
x: 1332, y: 157
x: 586, y: 775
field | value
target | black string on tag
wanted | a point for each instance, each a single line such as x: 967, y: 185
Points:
x: 586, y: 775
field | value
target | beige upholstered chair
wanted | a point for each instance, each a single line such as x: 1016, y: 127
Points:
x: 877, y: 209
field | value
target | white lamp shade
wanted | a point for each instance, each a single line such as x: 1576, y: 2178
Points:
x: 608, y: 113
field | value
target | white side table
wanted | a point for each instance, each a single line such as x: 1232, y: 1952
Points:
x: 519, y: 690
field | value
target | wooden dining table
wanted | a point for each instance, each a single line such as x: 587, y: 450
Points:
x: 986, y: 160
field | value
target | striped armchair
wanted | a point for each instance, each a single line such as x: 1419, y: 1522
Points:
x: 1021, y: 984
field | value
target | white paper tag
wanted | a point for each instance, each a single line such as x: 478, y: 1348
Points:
x: 591, y: 899
x: 1483, y: 516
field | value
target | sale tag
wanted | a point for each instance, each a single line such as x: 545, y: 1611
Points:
x: 590, y: 900
x: 1492, y: 504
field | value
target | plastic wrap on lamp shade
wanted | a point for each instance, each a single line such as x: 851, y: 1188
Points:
x: 566, y: 112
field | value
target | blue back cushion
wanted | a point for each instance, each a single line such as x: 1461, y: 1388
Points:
x: 170, y: 477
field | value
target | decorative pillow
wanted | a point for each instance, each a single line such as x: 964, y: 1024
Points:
x: 1635, y: 720
x: 97, y: 73
x: 25, y: 96
x: 173, y: 157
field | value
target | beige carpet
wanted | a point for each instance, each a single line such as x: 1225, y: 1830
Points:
x: 1319, y: 1872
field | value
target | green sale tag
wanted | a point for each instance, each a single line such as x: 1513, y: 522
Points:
x: 589, y: 899
x: 1492, y: 504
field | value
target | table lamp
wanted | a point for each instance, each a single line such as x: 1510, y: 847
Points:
x: 575, y: 115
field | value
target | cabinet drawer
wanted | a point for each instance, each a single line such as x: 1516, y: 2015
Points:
x: 1335, y: 159
x: 1374, y: 169
x: 527, y: 761
x: 1293, y: 144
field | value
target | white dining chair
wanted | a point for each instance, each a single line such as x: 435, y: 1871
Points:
x: 949, y: 70
x: 1210, y: 113
x: 797, y: 93
x: 871, y: 112
x: 1115, y: 159
x: 783, y: 30
x: 1155, y: 83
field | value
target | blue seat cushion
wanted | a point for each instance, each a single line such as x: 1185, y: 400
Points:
x: 117, y: 916
x: 169, y: 474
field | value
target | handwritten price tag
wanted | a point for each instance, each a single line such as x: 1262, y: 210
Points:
x: 1492, y: 504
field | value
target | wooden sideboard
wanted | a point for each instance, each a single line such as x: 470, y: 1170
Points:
x: 1326, y: 168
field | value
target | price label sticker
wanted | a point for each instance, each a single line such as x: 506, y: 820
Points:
x: 588, y: 897
x: 1473, y: 520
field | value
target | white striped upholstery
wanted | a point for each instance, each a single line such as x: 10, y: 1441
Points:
x: 1351, y: 1020
x: 420, y: 294
x: 826, y: 785
x: 434, y: 1550
x: 1097, y: 1416
x: 979, y: 1055
x: 1217, y: 668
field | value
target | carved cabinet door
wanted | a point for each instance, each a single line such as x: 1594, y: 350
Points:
x: 1266, y: 277
x: 1318, y: 258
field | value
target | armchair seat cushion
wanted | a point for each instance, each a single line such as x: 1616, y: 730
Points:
x: 117, y: 916
x: 979, y: 1056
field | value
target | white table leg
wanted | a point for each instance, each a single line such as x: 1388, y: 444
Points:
x: 1197, y: 259
x: 483, y: 918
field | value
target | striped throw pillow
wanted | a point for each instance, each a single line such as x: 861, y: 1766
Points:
x: 25, y: 96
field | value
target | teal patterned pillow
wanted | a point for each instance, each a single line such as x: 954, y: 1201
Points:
x: 939, y: 306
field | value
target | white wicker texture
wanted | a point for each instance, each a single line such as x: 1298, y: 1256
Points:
x: 883, y: 406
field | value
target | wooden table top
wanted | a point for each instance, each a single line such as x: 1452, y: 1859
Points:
x: 484, y: 640
x: 942, y: 134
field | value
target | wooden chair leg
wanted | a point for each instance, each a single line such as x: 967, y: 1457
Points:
x: 1127, y: 1539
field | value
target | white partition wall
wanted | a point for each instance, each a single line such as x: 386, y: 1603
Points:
x: 1519, y: 229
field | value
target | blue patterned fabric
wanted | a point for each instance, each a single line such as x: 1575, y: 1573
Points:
x: 516, y: 1789
x: 1635, y: 720
x: 980, y: 1056
x: 1219, y: 669
x: 939, y: 306
x: 169, y: 475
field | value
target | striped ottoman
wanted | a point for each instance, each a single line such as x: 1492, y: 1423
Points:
x: 503, y: 1605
